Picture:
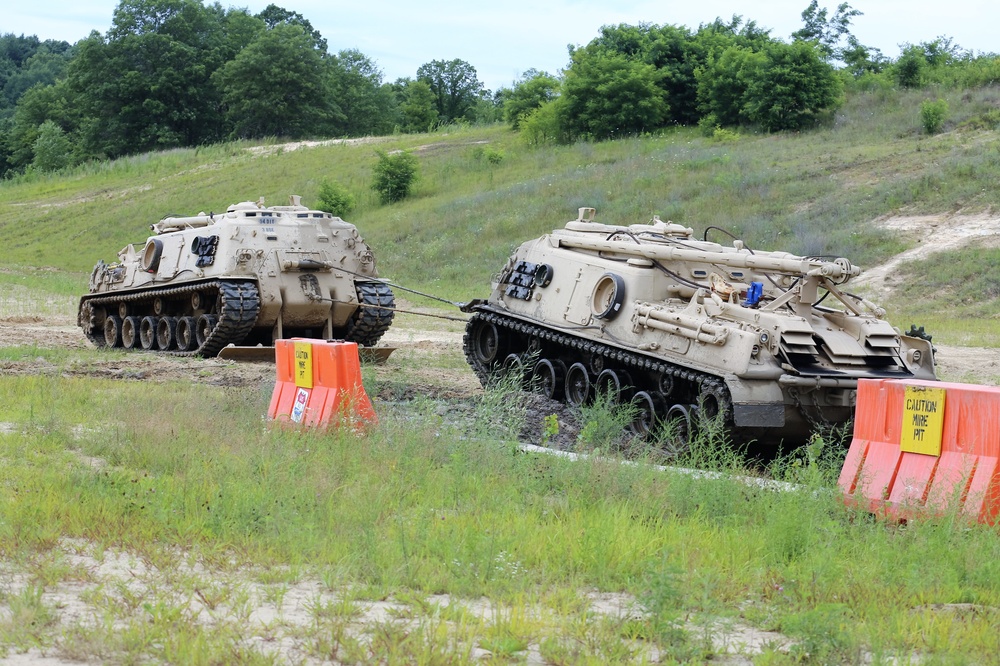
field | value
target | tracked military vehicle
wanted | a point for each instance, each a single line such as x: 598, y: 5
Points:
x: 249, y: 276
x: 767, y: 343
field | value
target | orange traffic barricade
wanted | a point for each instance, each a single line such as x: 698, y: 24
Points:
x: 318, y: 384
x: 925, y: 447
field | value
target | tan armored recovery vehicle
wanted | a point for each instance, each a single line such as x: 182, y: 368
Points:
x: 768, y: 342
x: 248, y: 276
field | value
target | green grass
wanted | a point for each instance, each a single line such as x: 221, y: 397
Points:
x: 967, y: 280
x: 416, y: 508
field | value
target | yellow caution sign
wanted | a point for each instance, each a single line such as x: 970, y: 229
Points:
x: 923, y: 420
x: 303, y: 365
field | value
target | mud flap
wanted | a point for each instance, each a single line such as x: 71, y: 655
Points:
x: 767, y: 415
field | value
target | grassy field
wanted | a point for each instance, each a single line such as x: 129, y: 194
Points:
x: 193, y: 532
x: 152, y: 518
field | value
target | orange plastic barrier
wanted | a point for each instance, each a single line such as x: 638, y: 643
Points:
x: 319, y: 383
x: 925, y: 447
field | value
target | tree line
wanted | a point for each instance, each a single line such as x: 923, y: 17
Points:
x: 177, y: 73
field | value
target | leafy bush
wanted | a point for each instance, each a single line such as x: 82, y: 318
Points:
x: 335, y: 198
x: 488, y: 154
x: 394, y: 175
x: 933, y: 114
x: 791, y: 87
x: 724, y: 135
x: 611, y: 96
x: 782, y: 87
x: 543, y: 126
x: 533, y: 90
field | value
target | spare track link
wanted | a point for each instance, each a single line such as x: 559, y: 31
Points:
x: 238, y: 309
x: 374, y: 316
x: 620, y: 357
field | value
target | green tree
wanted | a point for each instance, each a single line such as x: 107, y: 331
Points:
x: 671, y: 50
x: 487, y: 109
x: 276, y: 86
x: 455, y: 85
x: 40, y: 105
x: 533, y: 90
x: 609, y: 96
x: 860, y: 60
x: 5, y: 163
x: 417, y: 105
x: 394, y: 175
x: 543, y: 126
x: 26, y: 62
x: 942, y: 51
x: 908, y: 69
x: 147, y: 85
x: 722, y: 86
x: 826, y: 31
x: 368, y: 106
x: 791, y: 87
x: 273, y: 16
x: 52, y: 149
x: 715, y: 37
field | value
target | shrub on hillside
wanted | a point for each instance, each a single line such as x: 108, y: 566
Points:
x: 394, y: 175
x: 488, y: 154
x: 933, y: 114
x: 335, y: 198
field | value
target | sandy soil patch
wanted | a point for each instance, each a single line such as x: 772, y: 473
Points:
x: 931, y: 233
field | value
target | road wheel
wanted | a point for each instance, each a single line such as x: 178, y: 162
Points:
x: 186, y: 336
x: 130, y: 332
x: 147, y: 332
x: 577, y: 385
x: 166, y: 332
x: 206, y: 324
x: 113, y: 331
x: 548, y: 378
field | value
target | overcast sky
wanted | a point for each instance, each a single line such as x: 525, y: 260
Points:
x: 502, y: 39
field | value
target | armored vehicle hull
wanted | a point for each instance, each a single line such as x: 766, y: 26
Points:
x: 248, y: 276
x: 766, y: 343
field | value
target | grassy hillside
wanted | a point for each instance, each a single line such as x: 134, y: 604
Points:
x: 810, y: 193
x: 148, y: 513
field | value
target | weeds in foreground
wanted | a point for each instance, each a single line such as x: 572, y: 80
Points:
x: 31, y: 620
x: 501, y: 410
x: 325, y: 530
x: 606, y: 424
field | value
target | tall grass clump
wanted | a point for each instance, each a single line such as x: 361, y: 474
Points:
x: 605, y: 424
x: 501, y: 410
